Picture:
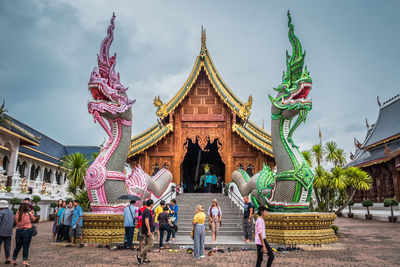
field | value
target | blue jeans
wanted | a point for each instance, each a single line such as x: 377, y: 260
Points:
x: 7, y: 245
x: 129, y: 232
x: 162, y: 229
x: 23, y: 239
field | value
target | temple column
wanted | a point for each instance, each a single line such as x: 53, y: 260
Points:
x: 228, y: 148
x: 28, y: 173
x: 395, y: 179
x: 176, y: 162
x: 14, y: 149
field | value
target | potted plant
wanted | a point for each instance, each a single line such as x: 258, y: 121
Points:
x: 8, y: 189
x: 15, y: 201
x: 52, y: 216
x: 391, y: 202
x: 368, y: 203
x: 36, y: 208
x: 350, y: 215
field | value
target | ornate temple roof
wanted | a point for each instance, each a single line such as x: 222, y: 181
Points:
x: 382, y: 140
x: 253, y: 134
x: 36, y: 145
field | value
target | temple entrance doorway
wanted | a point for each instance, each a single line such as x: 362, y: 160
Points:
x: 199, y: 163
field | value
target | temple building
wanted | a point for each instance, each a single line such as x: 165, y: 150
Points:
x: 379, y: 154
x: 204, y: 126
x: 30, y: 160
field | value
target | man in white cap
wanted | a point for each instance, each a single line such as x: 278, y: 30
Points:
x: 6, y: 228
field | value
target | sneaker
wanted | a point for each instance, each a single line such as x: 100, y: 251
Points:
x: 202, y: 256
x: 138, y: 259
x: 147, y: 261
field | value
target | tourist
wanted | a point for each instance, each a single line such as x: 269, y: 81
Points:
x: 139, y: 225
x: 199, y: 231
x: 60, y: 226
x: 27, y: 200
x: 164, y: 225
x: 67, y: 220
x: 129, y: 223
x: 260, y: 239
x: 6, y: 228
x: 59, y: 206
x: 214, y: 218
x: 247, y: 214
x: 173, y: 209
x: 147, y: 232
x: 157, y: 212
x: 208, y: 182
x: 76, y: 225
x: 23, y: 235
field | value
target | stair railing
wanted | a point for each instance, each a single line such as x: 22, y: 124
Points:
x: 235, y: 198
x: 166, y: 196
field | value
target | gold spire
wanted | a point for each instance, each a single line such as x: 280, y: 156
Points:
x: 203, y: 41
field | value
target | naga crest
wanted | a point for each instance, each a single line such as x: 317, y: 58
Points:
x: 105, y: 85
x: 161, y: 107
x: 296, y: 83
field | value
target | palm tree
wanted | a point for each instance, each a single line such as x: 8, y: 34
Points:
x: 308, y: 157
x: 318, y: 152
x: 356, y: 179
x: 331, y: 150
x: 77, y: 164
x: 320, y: 184
x: 336, y: 181
x: 340, y: 157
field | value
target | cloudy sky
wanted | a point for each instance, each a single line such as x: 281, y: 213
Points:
x: 48, y: 50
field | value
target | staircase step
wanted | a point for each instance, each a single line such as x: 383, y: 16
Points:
x: 220, y: 233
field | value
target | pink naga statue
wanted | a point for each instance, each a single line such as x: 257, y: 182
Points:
x: 106, y: 179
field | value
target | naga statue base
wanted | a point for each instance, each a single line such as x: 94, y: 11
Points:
x: 308, y: 228
x: 103, y: 228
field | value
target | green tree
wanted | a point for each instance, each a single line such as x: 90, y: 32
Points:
x: 356, y: 179
x: 308, y: 157
x: 340, y: 157
x: 318, y: 152
x: 77, y: 164
x: 331, y: 149
x: 337, y: 182
x: 320, y: 185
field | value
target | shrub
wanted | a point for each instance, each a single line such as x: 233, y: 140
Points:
x: 36, y: 208
x: 367, y: 203
x: 351, y: 203
x: 53, y: 205
x: 15, y: 201
x: 335, y: 228
x: 36, y: 199
x: 8, y: 188
x: 84, y: 201
x: 390, y: 202
x: 69, y: 200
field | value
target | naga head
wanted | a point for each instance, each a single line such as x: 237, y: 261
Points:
x: 110, y: 98
x: 292, y: 98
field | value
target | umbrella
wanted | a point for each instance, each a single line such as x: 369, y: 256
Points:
x: 129, y: 197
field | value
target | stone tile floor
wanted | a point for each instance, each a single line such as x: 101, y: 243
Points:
x: 368, y: 243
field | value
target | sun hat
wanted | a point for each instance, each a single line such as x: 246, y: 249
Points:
x: 3, y: 204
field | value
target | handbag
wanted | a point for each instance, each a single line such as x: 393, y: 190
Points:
x: 34, y: 228
x: 133, y: 218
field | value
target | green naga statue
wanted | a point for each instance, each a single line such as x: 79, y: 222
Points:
x: 290, y: 188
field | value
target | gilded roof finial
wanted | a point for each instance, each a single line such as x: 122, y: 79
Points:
x: 203, y: 41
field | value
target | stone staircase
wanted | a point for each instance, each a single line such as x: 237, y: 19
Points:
x: 231, y: 215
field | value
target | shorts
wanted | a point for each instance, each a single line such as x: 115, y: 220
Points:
x: 139, y: 235
x: 76, y: 233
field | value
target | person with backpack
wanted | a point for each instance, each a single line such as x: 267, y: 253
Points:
x: 139, y: 224
x: 173, y: 210
x: 214, y: 218
x: 6, y: 228
x: 129, y: 223
x: 164, y: 225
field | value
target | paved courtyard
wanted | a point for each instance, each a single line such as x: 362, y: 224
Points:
x: 368, y: 243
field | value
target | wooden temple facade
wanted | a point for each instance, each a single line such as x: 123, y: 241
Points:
x: 204, y: 111
x: 379, y: 154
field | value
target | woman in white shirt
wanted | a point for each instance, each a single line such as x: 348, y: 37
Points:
x: 214, y: 218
